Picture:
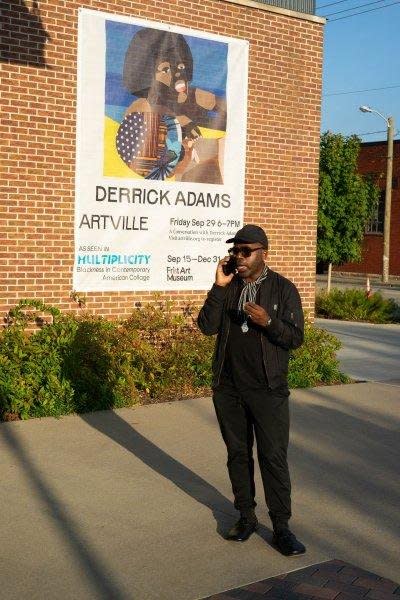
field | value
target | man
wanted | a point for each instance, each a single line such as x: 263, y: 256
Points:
x: 258, y: 317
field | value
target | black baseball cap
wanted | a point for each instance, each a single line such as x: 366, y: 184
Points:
x: 250, y: 234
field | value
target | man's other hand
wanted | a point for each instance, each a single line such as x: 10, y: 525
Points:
x: 256, y: 313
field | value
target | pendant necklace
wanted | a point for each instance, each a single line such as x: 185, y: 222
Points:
x: 248, y: 294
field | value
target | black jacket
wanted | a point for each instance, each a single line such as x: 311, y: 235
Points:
x: 280, y: 298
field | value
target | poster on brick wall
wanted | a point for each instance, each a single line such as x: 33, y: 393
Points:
x: 161, y: 143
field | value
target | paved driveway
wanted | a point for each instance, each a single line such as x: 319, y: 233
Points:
x: 370, y: 352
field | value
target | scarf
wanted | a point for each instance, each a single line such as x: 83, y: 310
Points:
x: 249, y: 292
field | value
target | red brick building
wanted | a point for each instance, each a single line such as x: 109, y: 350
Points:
x: 372, y: 160
x: 38, y: 86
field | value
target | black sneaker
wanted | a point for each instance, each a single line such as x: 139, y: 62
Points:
x: 242, y: 530
x: 287, y: 543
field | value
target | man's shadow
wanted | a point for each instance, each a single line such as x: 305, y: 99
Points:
x: 23, y: 35
x: 113, y: 426
x: 89, y: 368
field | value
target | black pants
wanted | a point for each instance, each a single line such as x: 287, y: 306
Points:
x: 265, y: 413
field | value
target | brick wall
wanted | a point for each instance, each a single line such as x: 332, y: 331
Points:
x: 372, y: 159
x: 38, y: 85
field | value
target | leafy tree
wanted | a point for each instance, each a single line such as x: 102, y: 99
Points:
x: 346, y: 201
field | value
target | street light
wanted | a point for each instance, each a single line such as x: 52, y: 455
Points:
x: 388, y: 192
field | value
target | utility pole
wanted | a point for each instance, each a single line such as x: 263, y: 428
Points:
x: 388, y: 191
x: 388, y: 200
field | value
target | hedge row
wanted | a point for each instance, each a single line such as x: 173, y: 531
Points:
x: 75, y: 364
x: 355, y: 305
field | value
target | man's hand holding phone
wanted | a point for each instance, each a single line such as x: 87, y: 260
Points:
x: 225, y: 271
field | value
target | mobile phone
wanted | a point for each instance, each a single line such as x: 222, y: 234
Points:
x: 230, y: 266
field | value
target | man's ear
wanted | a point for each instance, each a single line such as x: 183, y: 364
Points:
x: 265, y: 255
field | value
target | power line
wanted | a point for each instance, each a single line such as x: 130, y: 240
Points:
x: 396, y: 133
x: 362, y: 12
x: 354, y: 8
x: 371, y: 132
x: 387, y: 87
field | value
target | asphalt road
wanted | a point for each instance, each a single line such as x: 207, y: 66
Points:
x: 369, y: 352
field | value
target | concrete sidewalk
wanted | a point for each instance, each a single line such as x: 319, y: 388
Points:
x: 132, y: 504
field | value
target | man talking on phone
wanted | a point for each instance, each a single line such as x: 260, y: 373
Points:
x: 258, y: 317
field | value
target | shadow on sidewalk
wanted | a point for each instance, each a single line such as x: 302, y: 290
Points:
x: 102, y: 580
x: 345, y: 457
x: 117, y: 429
x: 95, y: 569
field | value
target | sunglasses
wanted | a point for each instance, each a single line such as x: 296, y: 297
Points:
x: 245, y: 251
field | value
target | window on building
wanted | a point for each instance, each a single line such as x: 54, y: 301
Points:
x: 375, y: 225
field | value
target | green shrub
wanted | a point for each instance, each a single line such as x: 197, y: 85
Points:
x: 354, y: 305
x: 86, y: 363
x: 31, y: 377
x: 97, y: 363
x: 315, y: 362
x: 170, y: 357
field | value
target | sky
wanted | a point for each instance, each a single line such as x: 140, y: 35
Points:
x: 360, y: 53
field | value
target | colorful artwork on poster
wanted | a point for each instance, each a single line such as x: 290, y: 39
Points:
x: 165, y: 111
